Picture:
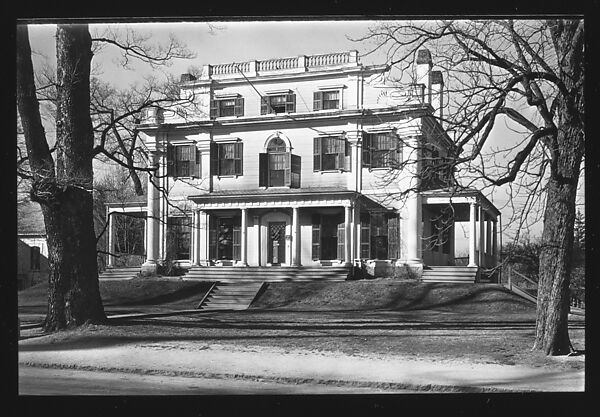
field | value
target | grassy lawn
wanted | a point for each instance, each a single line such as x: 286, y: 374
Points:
x: 480, y: 323
x: 140, y: 295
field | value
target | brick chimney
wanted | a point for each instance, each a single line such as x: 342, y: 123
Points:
x: 437, y: 94
x: 422, y: 72
x: 186, y: 78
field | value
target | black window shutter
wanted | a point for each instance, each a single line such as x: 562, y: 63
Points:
x: 316, y: 236
x: 398, y: 151
x: 366, y: 150
x: 238, y: 109
x: 170, y: 160
x: 237, y: 238
x: 296, y: 168
x: 317, y: 154
x: 341, y: 157
x: 264, y: 105
x: 263, y: 169
x: 214, y: 159
x: 212, y: 237
x: 393, y: 237
x: 348, y: 158
x: 290, y: 103
x: 341, y: 233
x: 239, y: 157
x: 214, y: 109
x: 198, y: 164
x: 287, y: 173
x: 365, y: 235
x: 318, y: 100
x: 191, y: 160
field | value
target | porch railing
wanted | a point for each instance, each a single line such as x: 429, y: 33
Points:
x: 528, y: 288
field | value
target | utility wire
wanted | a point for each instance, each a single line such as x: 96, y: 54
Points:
x: 271, y: 108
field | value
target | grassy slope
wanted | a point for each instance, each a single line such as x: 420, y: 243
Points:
x: 135, y: 295
x: 392, y: 295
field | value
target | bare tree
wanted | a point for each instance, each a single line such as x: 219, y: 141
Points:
x: 62, y: 176
x: 528, y: 75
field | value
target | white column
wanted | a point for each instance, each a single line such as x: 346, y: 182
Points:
x: 295, y: 234
x: 196, y: 237
x: 244, y: 242
x: 258, y: 240
x: 353, y: 234
x: 202, y: 238
x: 146, y: 234
x: 488, y: 236
x: 495, y: 241
x: 162, y: 209
x: 347, y: 224
x: 414, y: 214
x: 472, y: 234
x: 111, y: 239
x: 152, y: 216
x: 481, y: 237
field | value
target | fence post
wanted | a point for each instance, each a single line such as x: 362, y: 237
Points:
x: 509, y: 278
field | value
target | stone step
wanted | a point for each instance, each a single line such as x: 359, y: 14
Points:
x: 265, y: 272
x: 231, y: 296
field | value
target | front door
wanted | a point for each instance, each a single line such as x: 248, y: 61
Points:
x: 276, y: 243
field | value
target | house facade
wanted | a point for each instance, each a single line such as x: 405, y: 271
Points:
x: 305, y: 161
x: 32, y: 248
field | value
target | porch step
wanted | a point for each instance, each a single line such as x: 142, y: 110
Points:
x: 450, y: 274
x: 123, y: 273
x: 234, y: 274
x: 226, y: 296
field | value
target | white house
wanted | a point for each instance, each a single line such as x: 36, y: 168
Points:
x: 301, y: 162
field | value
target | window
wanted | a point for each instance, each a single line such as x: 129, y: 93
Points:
x: 441, y: 238
x: 381, y: 150
x: 328, y: 236
x: 331, y: 153
x: 283, y: 103
x: 35, y: 258
x: 278, y: 167
x: 183, y: 161
x: 379, y: 235
x: 327, y: 100
x: 178, y: 237
x: 227, y: 107
x: 436, y: 171
x: 226, y: 158
x: 225, y: 238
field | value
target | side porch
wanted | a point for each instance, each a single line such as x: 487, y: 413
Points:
x: 443, y: 211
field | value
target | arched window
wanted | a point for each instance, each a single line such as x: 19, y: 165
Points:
x: 276, y: 145
x: 278, y: 167
x: 279, y: 162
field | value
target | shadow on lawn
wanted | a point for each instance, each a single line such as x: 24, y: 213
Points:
x: 102, y: 341
x: 192, y: 294
x: 472, y: 296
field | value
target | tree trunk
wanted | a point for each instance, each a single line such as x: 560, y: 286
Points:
x: 65, y: 196
x: 552, y: 333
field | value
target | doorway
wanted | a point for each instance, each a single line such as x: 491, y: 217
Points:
x: 276, y: 243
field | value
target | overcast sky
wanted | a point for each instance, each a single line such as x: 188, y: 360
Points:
x: 223, y: 42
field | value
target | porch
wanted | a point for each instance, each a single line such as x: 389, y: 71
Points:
x: 278, y: 227
x: 442, y: 210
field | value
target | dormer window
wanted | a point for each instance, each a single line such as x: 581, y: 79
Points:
x: 223, y: 106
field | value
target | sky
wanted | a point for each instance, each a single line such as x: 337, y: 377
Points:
x: 224, y: 42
